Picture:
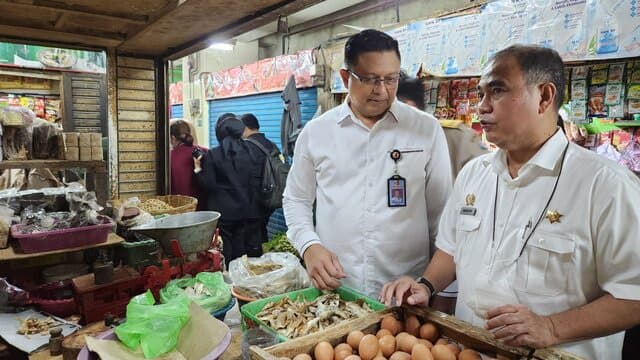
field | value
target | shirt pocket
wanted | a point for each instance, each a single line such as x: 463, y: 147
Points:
x: 412, y: 164
x: 467, y: 228
x: 546, y: 265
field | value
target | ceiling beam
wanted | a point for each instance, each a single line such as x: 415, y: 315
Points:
x: 29, y: 35
x: 80, y: 10
x: 32, y: 27
x: 250, y: 22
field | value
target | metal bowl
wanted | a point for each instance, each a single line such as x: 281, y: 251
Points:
x: 194, y: 230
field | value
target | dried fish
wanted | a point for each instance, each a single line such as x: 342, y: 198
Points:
x: 299, y: 317
x: 30, y: 326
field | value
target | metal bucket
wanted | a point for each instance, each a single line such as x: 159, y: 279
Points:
x: 194, y: 230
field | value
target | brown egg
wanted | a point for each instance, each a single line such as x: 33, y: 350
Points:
x: 412, y: 325
x: 455, y: 349
x: 341, y: 354
x: 469, y: 354
x: 421, y: 352
x: 392, y: 324
x: 387, y: 345
x: 368, y: 348
x: 405, y: 342
x: 323, y: 351
x: 353, y: 339
x: 353, y: 357
x: 442, y: 352
x: 343, y: 346
x: 284, y: 358
x: 383, y: 332
x: 429, y: 331
x: 302, y: 357
x: 426, y: 343
x: 400, y: 355
x: 442, y: 341
x: 379, y: 358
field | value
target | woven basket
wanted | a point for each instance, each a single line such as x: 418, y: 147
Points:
x: 180, y: 203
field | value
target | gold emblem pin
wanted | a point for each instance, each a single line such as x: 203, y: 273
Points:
x: 553, y: 216
x: 470, y: 199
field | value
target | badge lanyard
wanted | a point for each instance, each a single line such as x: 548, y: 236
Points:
x: 396, y: 184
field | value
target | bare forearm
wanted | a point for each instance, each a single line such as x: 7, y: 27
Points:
x: 441, y: 271
x: 603, y: 316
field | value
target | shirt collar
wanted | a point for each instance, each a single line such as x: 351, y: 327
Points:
x: 546, y: 158
x: 345, y: 112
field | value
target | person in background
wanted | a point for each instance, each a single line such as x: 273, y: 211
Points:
x: 541, y: 235
x: 252, y: 131
x: 183, y: 182
x: 225, y: 174
x: 463, y: 143
x: 378, y: 171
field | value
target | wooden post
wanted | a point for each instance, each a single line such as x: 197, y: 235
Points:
x: 112, y: 116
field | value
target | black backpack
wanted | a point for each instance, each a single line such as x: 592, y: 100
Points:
x: 274, y: 177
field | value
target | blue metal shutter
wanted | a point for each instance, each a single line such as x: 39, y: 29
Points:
x: 176, y: 111
x: 268, y: 109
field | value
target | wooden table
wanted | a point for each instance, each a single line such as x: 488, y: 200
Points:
x: 10, y: 253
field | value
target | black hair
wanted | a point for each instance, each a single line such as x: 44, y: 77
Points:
x: 538, y: 65
x: 181, y: 131
x: 411, y: 89
x: 368, y: 41
x: 250, y: 121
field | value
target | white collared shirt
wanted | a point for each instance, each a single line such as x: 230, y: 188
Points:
x: 344, y: 166
x: 595, y: 248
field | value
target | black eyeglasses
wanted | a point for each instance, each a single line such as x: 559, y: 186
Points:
x: 373, y: 81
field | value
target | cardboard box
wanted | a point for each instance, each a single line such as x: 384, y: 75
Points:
x: 84, y: 140
x: 85, y: 153
x: 72, y: 153
x: 71, y: 139
x: 96, y: 140
x: 97, y: 153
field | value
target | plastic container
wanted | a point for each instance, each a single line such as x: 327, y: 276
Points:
x: 62, y: 239
x: 220, y: 313
x: 258, y: 337
x: 242, y: 300
x: 249, y: 311
x: 139, y: 254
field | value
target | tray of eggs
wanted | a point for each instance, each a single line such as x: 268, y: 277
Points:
x: 403, y: 333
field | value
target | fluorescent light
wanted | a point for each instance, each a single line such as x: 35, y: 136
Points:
x: 221, y: 46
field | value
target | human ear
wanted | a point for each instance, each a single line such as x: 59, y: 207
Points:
x: 547, y: 96
x: 344, y: 74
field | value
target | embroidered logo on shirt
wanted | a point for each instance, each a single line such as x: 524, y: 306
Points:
x: 470, y: 199
x: 553, y: 216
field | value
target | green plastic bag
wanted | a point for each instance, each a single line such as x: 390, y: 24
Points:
x: 154, y: 328
x: 207, y: 289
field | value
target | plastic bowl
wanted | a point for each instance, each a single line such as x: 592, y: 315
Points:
x: 219, y: 314
x: 242, y: 300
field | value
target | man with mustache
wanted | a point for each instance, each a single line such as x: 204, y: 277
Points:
x: 541, y: 235
x: 378, y: 171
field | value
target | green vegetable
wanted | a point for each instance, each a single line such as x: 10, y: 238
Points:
x: 279, y: 243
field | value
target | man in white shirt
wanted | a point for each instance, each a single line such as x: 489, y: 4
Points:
x: 542, y: 235
x: 379, y: 173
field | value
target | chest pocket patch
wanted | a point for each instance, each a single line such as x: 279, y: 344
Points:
x: 466, y: 231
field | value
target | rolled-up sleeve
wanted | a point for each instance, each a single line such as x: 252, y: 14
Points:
x: 299, y: 195
x: 438, y: 183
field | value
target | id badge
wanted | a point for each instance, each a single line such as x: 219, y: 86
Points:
x: 397, y: 191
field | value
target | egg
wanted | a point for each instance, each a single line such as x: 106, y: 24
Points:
x: 400, y: 355
x: 392, y: 324
x: 353, y: 357
x: 405, y: 342
x: 284, y: 358
x: 421, y: 352
x: 442, y: 341
x: 469, y: 354
x: 455, y: 349
x: 343, y: 346
x: 426, y: 343
x: 383, y: 332
x: 412, y: 325
x: 379, y: 358
x: 368, y: 348
x: 387, y: 345
x: 323, y: 351
x: 302, y: 357
x: 442, y: 352
x: 342, y: 354
x: 429, y: 331
x: 353, y: 339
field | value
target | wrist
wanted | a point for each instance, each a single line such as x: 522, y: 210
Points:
x: 555, y: 337
x: 426, y: 283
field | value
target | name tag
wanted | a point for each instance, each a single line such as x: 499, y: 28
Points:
x: 468, y: 210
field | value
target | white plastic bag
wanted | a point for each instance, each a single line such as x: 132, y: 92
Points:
x: 289, y: 276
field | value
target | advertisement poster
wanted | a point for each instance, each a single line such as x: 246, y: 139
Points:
x: 432, y: 40
x: 462, y: 52
x: 503, y: 24
x: 613, y: 29
x: 43, y: 57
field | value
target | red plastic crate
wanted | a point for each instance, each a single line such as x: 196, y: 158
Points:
x: 62, y: 239
x: 94, y: 301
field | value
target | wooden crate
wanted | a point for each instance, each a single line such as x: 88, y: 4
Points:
x: 462, y: 332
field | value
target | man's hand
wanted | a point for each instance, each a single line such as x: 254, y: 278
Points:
x: 324, y: 267
x: 405, y: 289
x: 197, y: 163
x: 519, y: 326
